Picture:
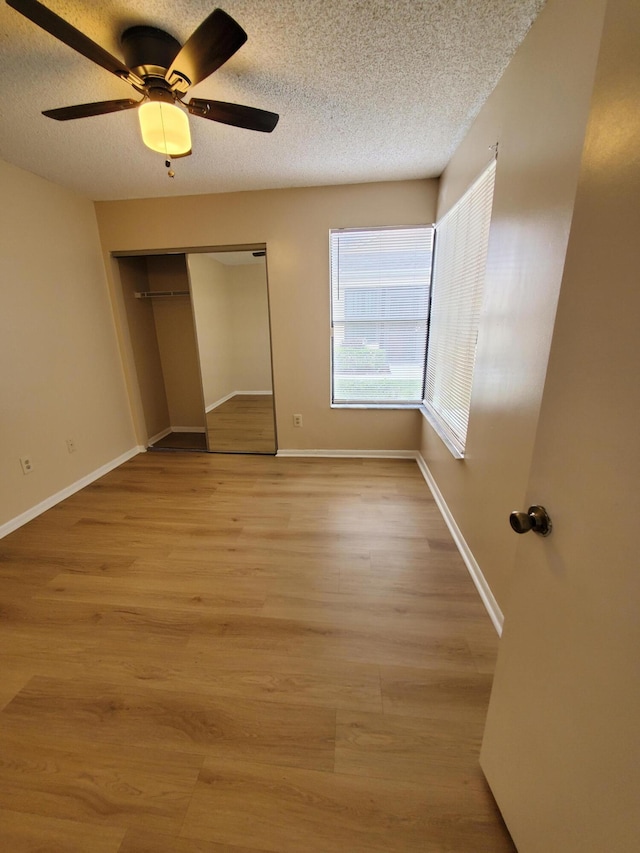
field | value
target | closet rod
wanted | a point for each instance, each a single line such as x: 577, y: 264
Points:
x: 152, y: 294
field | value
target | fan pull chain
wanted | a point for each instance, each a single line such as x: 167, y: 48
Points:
x: 167, y: 162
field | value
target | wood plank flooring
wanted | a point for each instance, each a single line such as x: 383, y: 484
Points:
x: 242, y: 654
x: 243, y: 424
x: 182, y: 441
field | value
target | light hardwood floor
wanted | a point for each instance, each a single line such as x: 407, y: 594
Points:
x: 234, y: 654
x: 181, y: 441
x: 243, y: 424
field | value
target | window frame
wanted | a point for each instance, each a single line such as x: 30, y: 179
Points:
x: 475, y: 243
x: 373, y: 403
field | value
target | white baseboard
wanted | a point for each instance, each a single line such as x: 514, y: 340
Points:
x: 160, y: 435
x: 484, y: 590
x: 47, y: 503
x: 222, y: 400
x: 351, y: 454
x: 187, y: 429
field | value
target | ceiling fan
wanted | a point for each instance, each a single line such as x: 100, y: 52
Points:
x: 162, y: 71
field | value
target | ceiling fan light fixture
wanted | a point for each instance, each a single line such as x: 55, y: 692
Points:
x: 162, y: 71
x: 165, y: 128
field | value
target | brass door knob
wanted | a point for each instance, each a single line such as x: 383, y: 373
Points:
x: 535, y: 518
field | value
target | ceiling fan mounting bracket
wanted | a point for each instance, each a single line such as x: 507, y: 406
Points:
x: 156, y: 91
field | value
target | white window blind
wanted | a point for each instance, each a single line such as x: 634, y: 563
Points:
x: 380, y: 282
x: 462, y: 238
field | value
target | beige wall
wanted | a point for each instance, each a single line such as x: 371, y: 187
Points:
x: 212, y: 311
x: 177, y: 341
x: 250, y: 325
x: 538, y: 115
x: 61, y: 371
x: 295, y: 225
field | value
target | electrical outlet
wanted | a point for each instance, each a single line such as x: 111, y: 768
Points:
x: 27, y: 464
x: 71, y: 445
x: 297, y: 420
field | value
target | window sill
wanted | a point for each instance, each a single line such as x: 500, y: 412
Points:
x: 377, y: 406
x: 435, y: 423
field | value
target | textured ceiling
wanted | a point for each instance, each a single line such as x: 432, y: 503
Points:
x: 367, y: 90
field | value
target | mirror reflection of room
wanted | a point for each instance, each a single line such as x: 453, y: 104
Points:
x: 231, y: 311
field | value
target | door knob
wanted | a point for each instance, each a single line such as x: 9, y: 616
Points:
x: 535, y: 518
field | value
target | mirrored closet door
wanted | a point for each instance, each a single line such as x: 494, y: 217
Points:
x: 231, y: 313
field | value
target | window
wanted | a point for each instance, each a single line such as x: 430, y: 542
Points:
x: 402, y: 333
x: 462, y: 238
x: 379, y: 311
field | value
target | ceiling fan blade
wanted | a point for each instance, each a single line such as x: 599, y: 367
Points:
x: 86, y: 110
x: 234, y: 114
x: 216, y: 39
x: 69, y: 35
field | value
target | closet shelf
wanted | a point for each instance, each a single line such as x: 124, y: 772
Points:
x: 153, y: 294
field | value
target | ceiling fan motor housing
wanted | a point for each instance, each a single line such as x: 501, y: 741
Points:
x: 148, y: 51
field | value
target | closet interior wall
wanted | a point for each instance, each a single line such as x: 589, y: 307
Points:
x: 163, y: 343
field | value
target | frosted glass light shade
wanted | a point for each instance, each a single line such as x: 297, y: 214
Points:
x: 165, y: 128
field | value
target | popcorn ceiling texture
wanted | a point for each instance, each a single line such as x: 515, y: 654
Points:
x: 367, y: 90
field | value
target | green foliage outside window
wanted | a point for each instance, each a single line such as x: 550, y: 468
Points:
x: 360, y: 360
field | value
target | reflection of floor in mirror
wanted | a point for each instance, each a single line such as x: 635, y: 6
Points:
x: 181, y: 441
x: 243, y: 424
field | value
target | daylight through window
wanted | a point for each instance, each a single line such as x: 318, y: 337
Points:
x: 379, y: 311
x: 402, y: 334
x: 459, y: 268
